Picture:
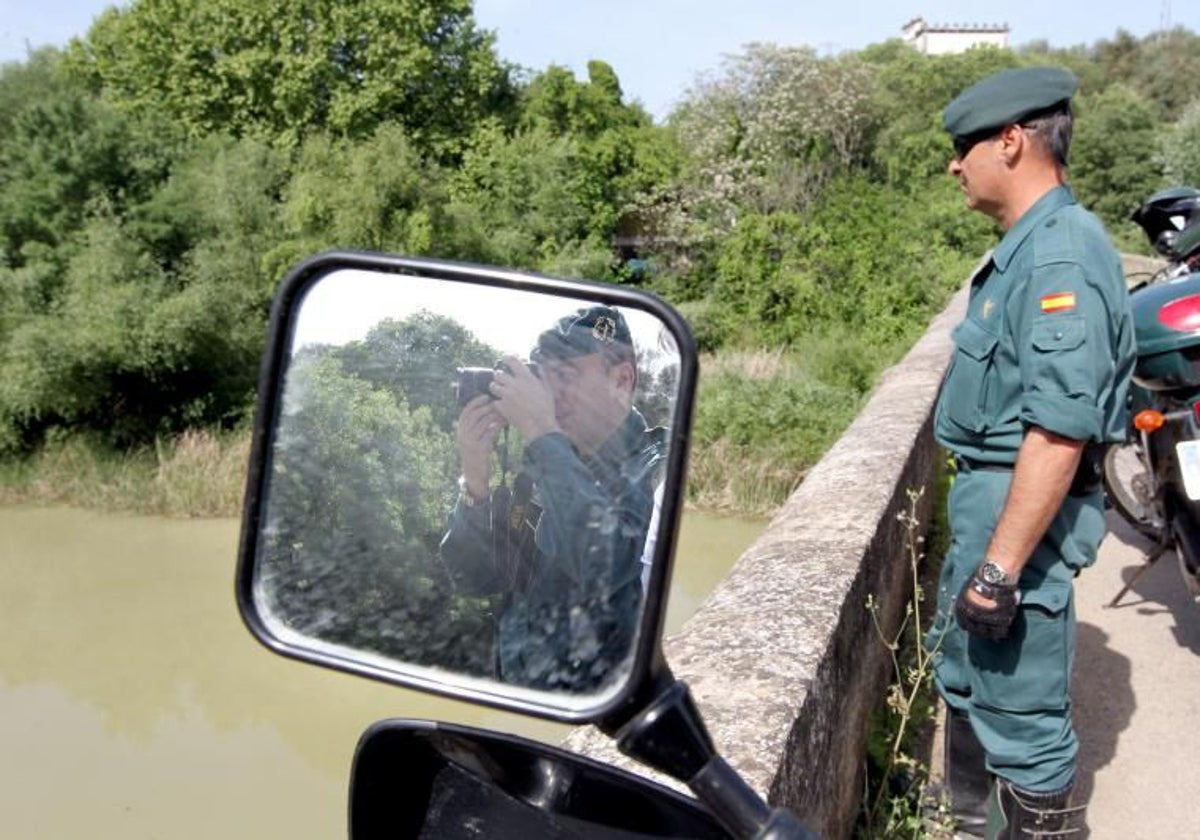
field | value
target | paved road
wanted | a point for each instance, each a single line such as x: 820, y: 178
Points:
x: 1137, y: 695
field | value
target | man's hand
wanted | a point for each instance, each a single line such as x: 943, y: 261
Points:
x: 523, y: 400
x: 478, y: 427
x: 987, y: 610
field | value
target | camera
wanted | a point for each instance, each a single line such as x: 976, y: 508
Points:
x: 471, y: 382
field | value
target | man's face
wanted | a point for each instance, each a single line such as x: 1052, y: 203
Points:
x: 591, y: 396
x: 979, y: 169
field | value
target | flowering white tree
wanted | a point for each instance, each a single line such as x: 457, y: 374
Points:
x: 764, y: 134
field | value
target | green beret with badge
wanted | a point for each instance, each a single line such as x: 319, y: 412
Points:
x: 1007, y: 98
x: 593, y: 329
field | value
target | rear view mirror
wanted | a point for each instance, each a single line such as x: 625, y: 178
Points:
x: 467, y: 480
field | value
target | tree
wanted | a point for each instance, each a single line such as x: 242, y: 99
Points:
x: 771, y: 128
x: 1118, y: 57
x: 613, y: 154
x: 1168, y: 70
x: 556, y: 100
x: 1181, y: 147
x: 33, y: 80
x: 121, y: 341
x: 61, y: 151
x: 910, y: 92
x: 417, y: 357
x: 285, y: 68
x: 1113, y: 167
x: 80, y: 363
x: 360, y: 489
x: 519, y: 200
x: 377, y: 193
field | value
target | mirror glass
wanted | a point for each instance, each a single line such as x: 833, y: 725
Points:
x: 461, y: 479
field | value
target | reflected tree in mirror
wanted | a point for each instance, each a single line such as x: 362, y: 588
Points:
x: 504, y: 540
x: 359, y: 495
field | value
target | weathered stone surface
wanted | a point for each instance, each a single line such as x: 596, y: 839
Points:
x: 783, y: 658
x: 1139, y: 269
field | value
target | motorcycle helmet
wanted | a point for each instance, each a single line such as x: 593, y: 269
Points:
x: 1165, y: 214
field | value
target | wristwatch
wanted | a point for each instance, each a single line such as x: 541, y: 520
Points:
x: 464, y: 494
x: 991, y: 573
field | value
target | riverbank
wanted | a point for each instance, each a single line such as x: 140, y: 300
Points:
x: 200, y: 473
x: 762, y: 419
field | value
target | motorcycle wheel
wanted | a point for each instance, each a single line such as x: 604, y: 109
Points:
x: 1187, y: 547
x: 1190, y: 579
x: 1128, y: 489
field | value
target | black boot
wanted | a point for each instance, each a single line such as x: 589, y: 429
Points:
x: 967, y: 779
x: 1016, y: 814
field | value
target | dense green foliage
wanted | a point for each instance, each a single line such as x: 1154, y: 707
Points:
x: 283, y: 69
x: 159, y: 176
x: 338, y: 565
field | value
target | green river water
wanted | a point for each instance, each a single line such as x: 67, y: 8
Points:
x: 134, y: 704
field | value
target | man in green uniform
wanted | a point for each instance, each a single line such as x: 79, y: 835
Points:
x: 564, y: 552
x: 1036, y: 388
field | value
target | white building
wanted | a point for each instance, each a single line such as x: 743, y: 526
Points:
x: 943, y: 38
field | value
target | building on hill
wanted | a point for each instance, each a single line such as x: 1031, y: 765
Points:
x: 943, y: 38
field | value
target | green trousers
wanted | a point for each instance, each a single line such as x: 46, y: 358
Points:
x: 1016, y: 692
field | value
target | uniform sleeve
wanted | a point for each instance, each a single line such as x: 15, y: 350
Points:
x: 466, y: 550
x: 1065, y: 353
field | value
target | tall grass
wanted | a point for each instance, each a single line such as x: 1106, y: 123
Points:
x: 765, y: 417
x: 198, y: 473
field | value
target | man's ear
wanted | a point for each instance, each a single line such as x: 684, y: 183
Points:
x: 626, y: 376
x: 1014, y: 143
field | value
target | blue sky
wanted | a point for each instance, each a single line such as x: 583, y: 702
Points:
x: 659, y: 46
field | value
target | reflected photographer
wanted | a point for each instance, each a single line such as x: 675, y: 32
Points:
x: 562, y: 546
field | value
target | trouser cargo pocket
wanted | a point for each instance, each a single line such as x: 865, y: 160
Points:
x: 1030, y: 670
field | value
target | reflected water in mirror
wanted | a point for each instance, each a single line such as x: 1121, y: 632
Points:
x: 462, y: 479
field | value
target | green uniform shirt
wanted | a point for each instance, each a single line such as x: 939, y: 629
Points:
x: 1047, y: 340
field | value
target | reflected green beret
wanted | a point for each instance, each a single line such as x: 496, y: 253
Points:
x: 592, y: 329
x: 1006, y: 98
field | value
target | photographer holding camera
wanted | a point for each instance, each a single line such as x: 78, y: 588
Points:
x: 563, y: 547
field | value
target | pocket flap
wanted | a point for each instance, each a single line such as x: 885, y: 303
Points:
x: 1051, y: 596
x: 971, y: 338
x: 1058, y: 333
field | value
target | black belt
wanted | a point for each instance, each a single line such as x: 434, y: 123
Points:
x: 1087, y: 475
x: 964, y: 464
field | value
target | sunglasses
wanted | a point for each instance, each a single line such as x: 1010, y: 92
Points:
x: 964, y: 145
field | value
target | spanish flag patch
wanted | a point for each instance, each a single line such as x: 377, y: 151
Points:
x: 1058, y: 302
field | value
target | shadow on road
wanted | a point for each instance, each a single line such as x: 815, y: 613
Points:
x: 1103, y: 703
x: 1160, y: 589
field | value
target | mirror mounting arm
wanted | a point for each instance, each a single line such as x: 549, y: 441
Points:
x: 669, y: 735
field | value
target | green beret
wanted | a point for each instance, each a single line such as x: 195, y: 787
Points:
x: 592, y: 329
x: 1007, y: 97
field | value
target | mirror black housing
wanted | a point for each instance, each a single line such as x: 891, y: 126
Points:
x: 381, y: 281
x: 425, y: 779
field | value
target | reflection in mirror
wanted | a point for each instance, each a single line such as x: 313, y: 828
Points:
x: 462, y: 478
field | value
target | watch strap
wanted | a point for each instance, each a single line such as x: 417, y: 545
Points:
x: 465, y: 496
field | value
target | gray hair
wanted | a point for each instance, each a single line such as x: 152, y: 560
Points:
x: 1051, y: 131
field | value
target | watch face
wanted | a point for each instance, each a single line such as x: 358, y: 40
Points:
x: 993, y: 574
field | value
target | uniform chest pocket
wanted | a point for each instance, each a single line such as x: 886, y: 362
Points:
x: 1060, y: 361
x: 1057, y: 333
x: 965, y: 391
